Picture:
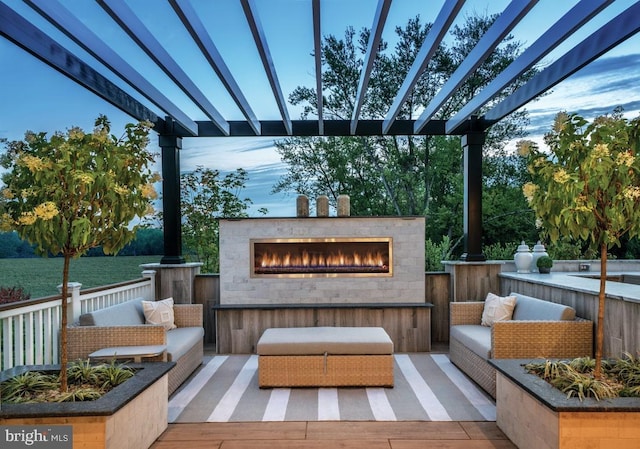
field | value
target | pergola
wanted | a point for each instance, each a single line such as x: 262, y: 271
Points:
x: 173, y: 123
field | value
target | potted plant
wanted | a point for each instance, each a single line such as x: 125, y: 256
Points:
x: 586, y: 186
x: 544, y: 264
x: 66, y: 194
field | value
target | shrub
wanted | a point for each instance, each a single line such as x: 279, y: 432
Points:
x: 13, y: 294
x: 544, y: 262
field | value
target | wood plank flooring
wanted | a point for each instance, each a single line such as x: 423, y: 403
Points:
x: 334, y: 434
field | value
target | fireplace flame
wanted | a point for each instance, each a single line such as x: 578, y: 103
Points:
x: 309, y: 260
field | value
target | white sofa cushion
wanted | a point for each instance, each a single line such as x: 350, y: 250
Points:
x: 181, y: 340
x: 476, y: 338
x: 534, y: 309
x: 318, y: 340
x: 159, y: 312
x: 125, y: 314
x: 497, y: 308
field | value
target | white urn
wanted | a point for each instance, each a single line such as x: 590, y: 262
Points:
x: 523, y: 258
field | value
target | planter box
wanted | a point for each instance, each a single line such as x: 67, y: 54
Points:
x: 131, y: 416
x: 534, y: 415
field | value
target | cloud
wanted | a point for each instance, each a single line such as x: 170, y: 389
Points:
x: 597, y: 89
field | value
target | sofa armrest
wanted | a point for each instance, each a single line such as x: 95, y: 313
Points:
x: 516, y: 339
x: 188, y: 315
x: 83, y: 340
x: 465, y: 312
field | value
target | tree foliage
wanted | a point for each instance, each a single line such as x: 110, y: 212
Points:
x: 75, y: 191
x: 401, y: 175
x: 588, y: 186
x: 207, y: 197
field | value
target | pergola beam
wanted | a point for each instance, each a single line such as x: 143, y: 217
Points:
x: 133, y: 26
x: 265, y: 56
x: 60, y: 17
x: 317, y: 49
x: 27, y: 36
x: 372, y: 51
x: 201, y: 37
x: 554, y: 36
x: 447, y: 14
x: 509, y: 18
x: 618, y: 29
x: 275, y: 128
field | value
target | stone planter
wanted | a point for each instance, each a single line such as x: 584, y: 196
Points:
x: 131, y: 416
x: 534, y: 415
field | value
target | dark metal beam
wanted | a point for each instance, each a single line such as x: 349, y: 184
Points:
x: 554, y: 36
x: 265, y: 56
x: 509, y: 18
x: 24, y: 34
x: 201, y: 37
x: 438, y: 30
x: 472, y: 215
x: 60, y: 17
x: 133, y: 26
x: 275, y: 128
x: 317, y: 48
x: 372, y: 51
x: 618, y: 29
x: 171, y: 215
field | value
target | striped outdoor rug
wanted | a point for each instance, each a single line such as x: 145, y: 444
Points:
x: 428, y: 387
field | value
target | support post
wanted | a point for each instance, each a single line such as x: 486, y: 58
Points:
x: 172, y: 218
x: 472, y: 217
x: 74, y: 307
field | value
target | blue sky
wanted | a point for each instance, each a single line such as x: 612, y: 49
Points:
x: 36, y: 97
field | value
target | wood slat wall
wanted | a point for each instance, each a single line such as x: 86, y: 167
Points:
x: 437, y: 287
x: 240, y: 329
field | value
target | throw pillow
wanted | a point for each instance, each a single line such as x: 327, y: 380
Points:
x: 159, y: 312
x: 497, y: 308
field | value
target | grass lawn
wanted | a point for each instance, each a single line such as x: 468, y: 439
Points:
x: 40, y: 277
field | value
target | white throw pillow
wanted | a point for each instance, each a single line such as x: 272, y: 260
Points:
x: 159, y: 312
x: 497, y: 308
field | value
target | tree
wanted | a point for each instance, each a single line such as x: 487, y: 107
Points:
x: 397, y: 175
x: 205, y: 198
x: 588, y: 187
x: 75, y: 191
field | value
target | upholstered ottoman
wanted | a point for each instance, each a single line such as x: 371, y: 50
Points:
x: 325, y: 357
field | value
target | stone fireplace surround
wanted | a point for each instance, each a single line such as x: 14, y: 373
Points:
x: 406, y: 285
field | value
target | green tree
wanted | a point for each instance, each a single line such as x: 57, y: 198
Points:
x: 398, y: 175
x: 206, y: 197
x: 588, y: 187
x: 75, y: 191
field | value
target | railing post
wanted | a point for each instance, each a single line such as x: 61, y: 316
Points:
x: 74, y: 309
x: 151, y: 275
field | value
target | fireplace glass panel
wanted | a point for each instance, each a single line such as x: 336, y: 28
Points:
x: 328, y: 257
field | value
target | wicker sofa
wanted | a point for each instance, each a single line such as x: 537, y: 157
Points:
x: 538, y: 329
x: 124, y: 325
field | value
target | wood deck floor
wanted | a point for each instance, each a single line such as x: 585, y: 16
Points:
x: 341, y: 434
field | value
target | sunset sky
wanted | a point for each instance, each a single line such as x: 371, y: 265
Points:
x: 36, y: 97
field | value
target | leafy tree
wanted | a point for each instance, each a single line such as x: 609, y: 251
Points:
x: 12, y: 246
x: 399, y: 175
x: 588, y: 187
x: 75, y: 191
x: 205, y: 198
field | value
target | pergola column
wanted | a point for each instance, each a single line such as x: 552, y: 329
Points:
x: 472, y: 218
x: 171, y: 216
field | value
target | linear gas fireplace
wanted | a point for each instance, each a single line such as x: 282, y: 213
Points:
x: 321, y: 260
x: 322, y: 257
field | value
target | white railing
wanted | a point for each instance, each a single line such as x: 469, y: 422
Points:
x: 29, y: 331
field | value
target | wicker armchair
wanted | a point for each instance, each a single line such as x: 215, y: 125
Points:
x: 516, y: 339
x: 83, y: 340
